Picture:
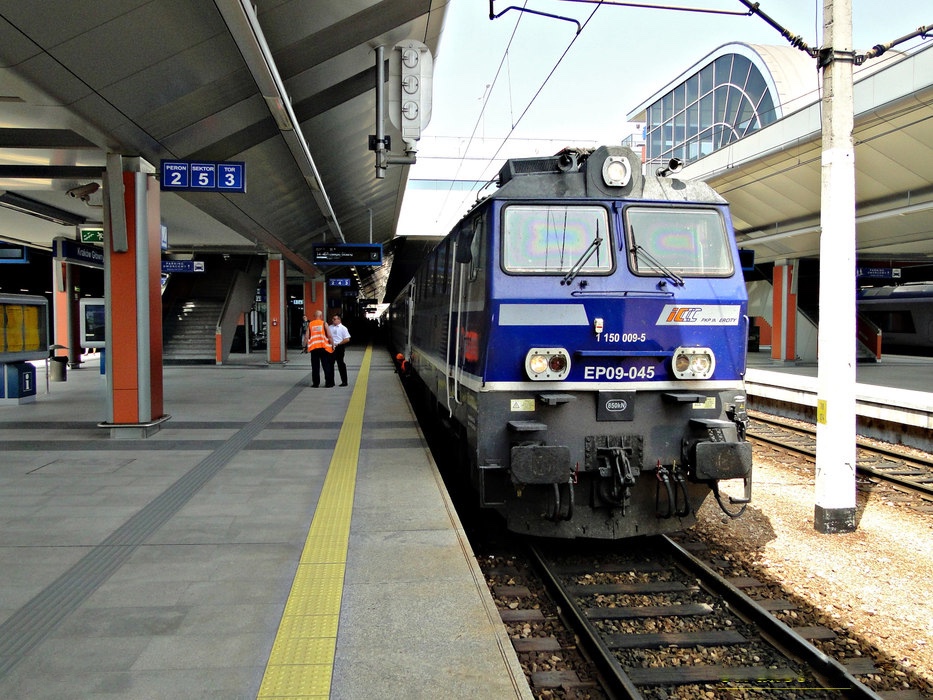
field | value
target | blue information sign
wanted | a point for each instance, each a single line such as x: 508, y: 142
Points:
x: 182, y: 266
x: 174, y: 175
x: 231, y: 177
x: 890, y: 273
x: 348, y: 254
x: 340, y: 282
x: 203, y: 176
x: 78, y: 253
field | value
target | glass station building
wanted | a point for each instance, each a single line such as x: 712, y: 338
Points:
x: 735, y: 90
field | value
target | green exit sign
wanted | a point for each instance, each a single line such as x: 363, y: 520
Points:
x: 92, y: 235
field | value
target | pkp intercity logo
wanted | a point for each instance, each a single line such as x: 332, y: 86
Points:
x: 702, y: 315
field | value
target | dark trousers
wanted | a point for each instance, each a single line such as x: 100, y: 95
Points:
x: 319, y: 357
x: 341, y: 365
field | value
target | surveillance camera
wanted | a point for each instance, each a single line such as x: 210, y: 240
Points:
x: 83, y: 192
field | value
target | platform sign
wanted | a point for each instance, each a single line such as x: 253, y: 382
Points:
x: 203, y: 176
x: 348, y: 254
x: 67, y: 250
x: 174, y: 175
x: 231, y: 177
x: 340, y: 282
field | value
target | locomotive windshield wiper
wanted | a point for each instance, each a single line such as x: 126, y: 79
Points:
x: 587, y: 254
x: 654, y: 262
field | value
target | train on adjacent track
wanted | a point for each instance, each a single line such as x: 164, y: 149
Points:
x: 904, y: 313
x: 582, y: 333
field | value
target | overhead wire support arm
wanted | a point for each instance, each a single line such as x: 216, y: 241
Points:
x: 652, y: 6
x: 795, y: 40
x: 878, y: 49
x: 493, y: 15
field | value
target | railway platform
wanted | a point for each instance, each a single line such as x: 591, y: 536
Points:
x: 894, y: 397
x: 271, y: 540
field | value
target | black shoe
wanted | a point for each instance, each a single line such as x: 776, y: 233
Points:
x: 328, y: 386
x: 343, y: 384
x: 314, y: 386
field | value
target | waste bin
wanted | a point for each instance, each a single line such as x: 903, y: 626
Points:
x: 58, y: 369
x: 754, y: 338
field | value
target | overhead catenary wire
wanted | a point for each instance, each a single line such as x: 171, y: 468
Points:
x: 482, y: 111
x: 494, y: 156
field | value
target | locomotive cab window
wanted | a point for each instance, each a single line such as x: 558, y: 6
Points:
x: 687, y: 242
x: 544, y: 239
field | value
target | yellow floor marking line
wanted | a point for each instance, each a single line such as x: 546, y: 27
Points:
x: 302, y: 657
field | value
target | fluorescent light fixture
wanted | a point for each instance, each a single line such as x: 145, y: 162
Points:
x: 40, y: 210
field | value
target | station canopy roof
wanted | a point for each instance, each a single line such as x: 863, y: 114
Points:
x: 210, y: 81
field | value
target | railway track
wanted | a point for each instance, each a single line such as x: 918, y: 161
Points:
x: 907, y: 472
x: 656, y: 622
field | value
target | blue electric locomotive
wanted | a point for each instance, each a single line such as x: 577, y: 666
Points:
x: 583, y: 332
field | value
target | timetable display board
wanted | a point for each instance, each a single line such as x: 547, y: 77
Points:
x: 348, y: 254
x: 24, y: 327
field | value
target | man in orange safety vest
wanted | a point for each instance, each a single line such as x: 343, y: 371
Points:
x: 320, y: 347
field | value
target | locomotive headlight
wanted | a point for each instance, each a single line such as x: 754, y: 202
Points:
x: 693, y: 363
x: 616, y: 171
x: 537, y: 364
x: 547, y: 364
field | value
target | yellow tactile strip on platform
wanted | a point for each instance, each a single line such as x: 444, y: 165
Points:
x: 302, y: 658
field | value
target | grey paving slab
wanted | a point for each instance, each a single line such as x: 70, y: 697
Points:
x: 159, y: 568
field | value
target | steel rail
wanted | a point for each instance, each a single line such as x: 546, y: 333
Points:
x: 605, y: 661
x: 827, y: 668
x: 906, y: 483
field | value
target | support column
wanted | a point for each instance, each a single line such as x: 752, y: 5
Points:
x: 132, y: 290
x: 276, y: 310
x: 784, y: 312
x: 62, y: 307
x: 835, y: 400
x: 314, y: 297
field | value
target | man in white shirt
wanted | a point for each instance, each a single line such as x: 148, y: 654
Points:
x: 340, y: 336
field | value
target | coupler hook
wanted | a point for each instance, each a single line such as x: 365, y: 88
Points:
x: 618, y: 472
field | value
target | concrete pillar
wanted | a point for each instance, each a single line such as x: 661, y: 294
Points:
x: 835, y: 406
x: 784, y: 312
x: 132, y: 284
x: 276, y: 310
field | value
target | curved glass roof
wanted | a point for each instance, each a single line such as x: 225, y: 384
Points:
x: 728, y: 98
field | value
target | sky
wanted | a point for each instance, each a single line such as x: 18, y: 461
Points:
x: 524, y: 85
